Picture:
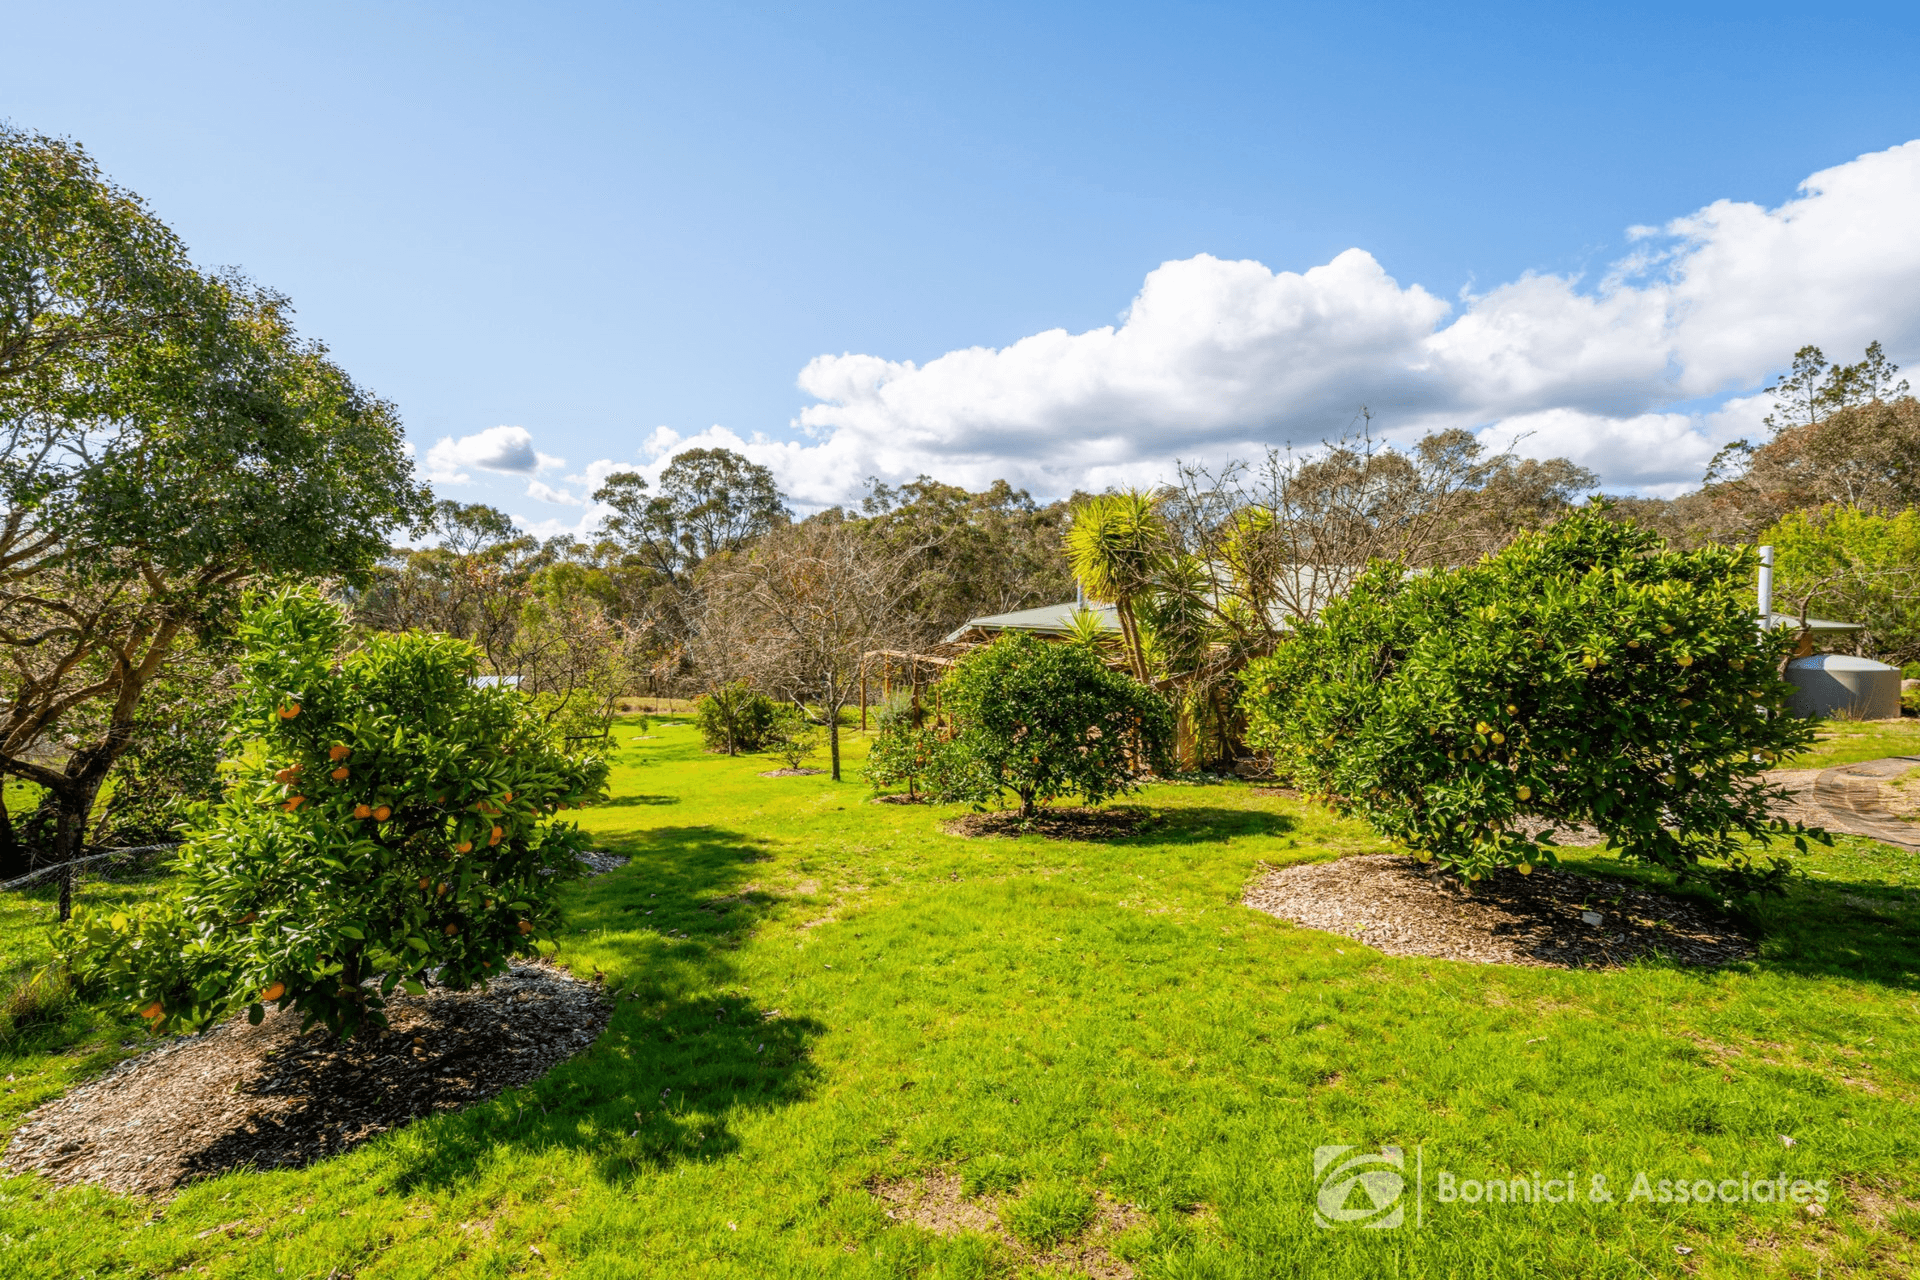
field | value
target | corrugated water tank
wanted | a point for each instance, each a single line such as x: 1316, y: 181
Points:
x: 1830, y: 683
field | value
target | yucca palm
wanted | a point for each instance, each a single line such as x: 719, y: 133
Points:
x: 1118, y: 547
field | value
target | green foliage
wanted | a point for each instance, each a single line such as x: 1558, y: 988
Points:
x: 154, y: 961
x: 735, y: 718
x: 1583, y: 674
x: 1812, y: 389
x: 1044, y: 720
x: 172, y: 760
x: 1855, y: 566
x: 794, y: 736
x: 711, y: 501
x: 972, y: 553
x: 1048, y: 1214
x: 904, y: 747
x: 389, y: 818
x: 170, y: 437
x: 1118, y: 547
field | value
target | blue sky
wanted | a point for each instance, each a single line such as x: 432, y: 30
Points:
x: 591, y: 222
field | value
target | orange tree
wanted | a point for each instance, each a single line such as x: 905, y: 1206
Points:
x: 1584, y: 674
x: 1044, y: 720
x: 390, y: 821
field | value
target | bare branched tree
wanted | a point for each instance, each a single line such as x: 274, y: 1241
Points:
x: 1282, y: 537
x: 799, y: 609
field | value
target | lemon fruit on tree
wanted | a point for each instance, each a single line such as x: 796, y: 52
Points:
x: 391, y: 821
x: 1584, y: 674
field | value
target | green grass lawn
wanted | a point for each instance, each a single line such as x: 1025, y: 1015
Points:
x: 820, y: 993
x: 1850, y: 741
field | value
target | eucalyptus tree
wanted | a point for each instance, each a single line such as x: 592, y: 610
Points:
x: 709, y: 502
x: 165, y: 438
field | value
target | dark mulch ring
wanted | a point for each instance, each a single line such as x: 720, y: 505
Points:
x: 790, y: 773
x: 1056, y: 824
x: 901, y: 797
x: 268, y: 1097
x: 1550, y: 918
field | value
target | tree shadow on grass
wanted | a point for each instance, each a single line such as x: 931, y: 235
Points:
x: 1209, y: 824
x: 687, y: 1048
x: 1124, y: 824
x: 635, y: 801
x: 1858, y: 930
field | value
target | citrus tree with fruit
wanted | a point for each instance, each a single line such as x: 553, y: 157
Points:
x: 1585, y: 674
x: 389, y: 822
x: 1042, y: 720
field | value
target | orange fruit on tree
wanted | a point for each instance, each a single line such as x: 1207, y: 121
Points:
x: 362, y: 811
x: 382, y: 813
x: 424, y: 882
x: 289, y: 711
x: 273, y: 992
x: 294, y: 803
x: 339, y: 751
x: 465, y: 846
x: 526, y: 926
x: 493, y: 836
x: 154, y: 1010
x: 451, y: 929
x: 340, y: 774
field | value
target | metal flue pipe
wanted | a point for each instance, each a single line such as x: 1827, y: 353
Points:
x: 1766, y: 587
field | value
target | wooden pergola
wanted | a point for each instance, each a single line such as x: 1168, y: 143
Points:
x: 915, y: 669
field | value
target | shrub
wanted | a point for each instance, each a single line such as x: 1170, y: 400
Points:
x: 794, y: 738
x: 388, y: 819
x: 1044, y: 720
x: 903, y: 747
x: 733, y: 718
x: 1583, y: 674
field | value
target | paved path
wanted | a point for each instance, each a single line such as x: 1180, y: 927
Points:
x: 1851, y: 794
x: 1846, y: 799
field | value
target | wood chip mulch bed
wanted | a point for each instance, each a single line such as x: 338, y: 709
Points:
x: 1550, y: 918
x: 267, y: 1097
x: 1055, y: 824
x: 790, y: 773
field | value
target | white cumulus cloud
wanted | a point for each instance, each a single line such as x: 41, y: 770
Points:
x: 505, y: 449
x: 1219, y: 357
